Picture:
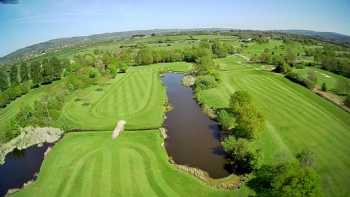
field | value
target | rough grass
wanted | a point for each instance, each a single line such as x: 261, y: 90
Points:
x: 92, y: 164
x: 296, y: 119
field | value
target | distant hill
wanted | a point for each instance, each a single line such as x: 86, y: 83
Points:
x: 327, y: 36
x: 56, y: 44
x: 60, y: 43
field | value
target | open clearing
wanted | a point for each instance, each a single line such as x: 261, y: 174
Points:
x: 135, y: 164
x: 296, y: 119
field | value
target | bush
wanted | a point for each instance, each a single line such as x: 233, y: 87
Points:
x: 309, y: 84
x: 284, y: 68
x: 94, y: 73
x: 4, y: 99
x: 347, y: 101
x: 324, y: 87
x: 226, y: 120
x: 204, y: 82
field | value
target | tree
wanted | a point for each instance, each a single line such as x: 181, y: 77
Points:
x: 205, y: 65
x: 265, y: 57
x: 47, y: 72
x: 144, y: 56
x: 14, y: 75
x: 283, y: 68
x: 243, y: 156
x: 24, y: 73
x: 219, y: 49
x: 4, y: 81
x: 36, y: 73
x: 343, y: 86
x: 249, y: 121
x: 240, y: 99
x: 290, y: 57
x: 57, y: 68
x: 204, y: 82
x: 311, y: 80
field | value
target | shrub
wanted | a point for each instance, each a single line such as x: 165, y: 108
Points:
x: 204, y: 82
x: 309, y: 84
x: 226, y: 120
x: 347, y: 101
x: 94, y: 73
x: 324, y: 87
x: 283, y: 68
x: 4, y: 99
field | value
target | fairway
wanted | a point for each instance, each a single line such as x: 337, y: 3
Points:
x: 137, y: 97
x: 135, y: 164
x: 296, y: 119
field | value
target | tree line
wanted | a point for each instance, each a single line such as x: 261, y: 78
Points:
x: 19, y: 79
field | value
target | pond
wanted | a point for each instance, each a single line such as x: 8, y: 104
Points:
x: 21, y: 166
x: 193, y: 138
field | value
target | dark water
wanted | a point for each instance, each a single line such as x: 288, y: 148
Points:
x: 193, y: 138
x: 20, y: 167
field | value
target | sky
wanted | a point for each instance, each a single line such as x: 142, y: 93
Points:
x: 26, y: 22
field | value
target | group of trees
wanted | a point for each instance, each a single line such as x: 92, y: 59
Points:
x: 269, y: 56
x: 310, y: 81
x: 330, y: 60
x: 288, y: 179
x: 242, y: 123
x: 216, y: 48
x: 20, y: 78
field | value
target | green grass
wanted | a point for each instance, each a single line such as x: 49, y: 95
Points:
x: 296, y: 119
x: 323, y: 76
x: 135, y: 164
x: 137, y: 97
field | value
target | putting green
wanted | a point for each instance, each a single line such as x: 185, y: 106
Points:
x: 135, y: 164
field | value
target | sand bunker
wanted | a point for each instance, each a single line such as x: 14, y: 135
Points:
x: 119, y: 128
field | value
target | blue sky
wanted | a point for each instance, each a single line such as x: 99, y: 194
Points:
x: 32, y: 21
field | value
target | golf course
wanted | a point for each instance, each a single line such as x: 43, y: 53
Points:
x: 245, y: 110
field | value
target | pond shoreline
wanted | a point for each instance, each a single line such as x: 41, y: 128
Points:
x: 193, y: 138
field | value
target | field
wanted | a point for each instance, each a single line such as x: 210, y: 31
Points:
x: 296, y: 119
x: 135, y: 164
